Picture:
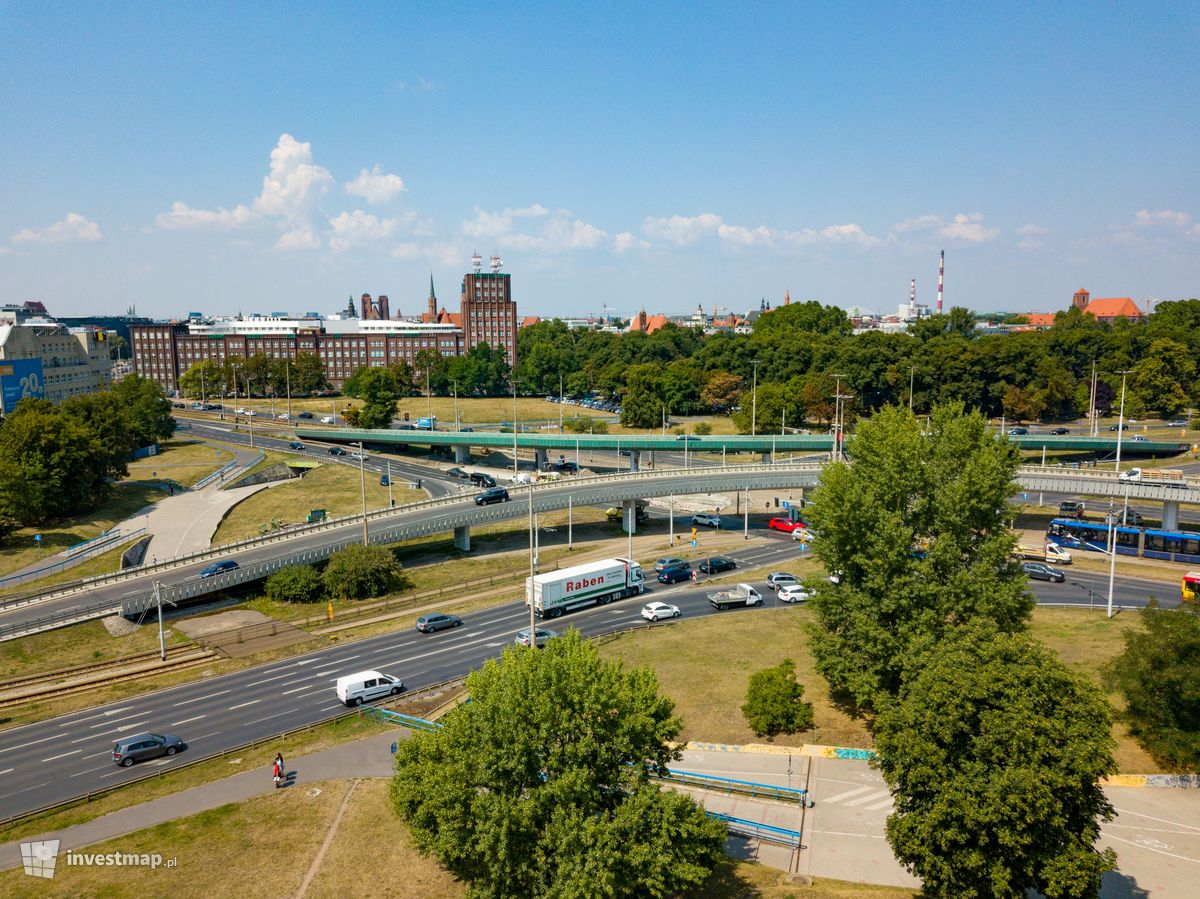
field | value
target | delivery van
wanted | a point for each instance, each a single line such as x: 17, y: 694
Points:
x: 355, y: 689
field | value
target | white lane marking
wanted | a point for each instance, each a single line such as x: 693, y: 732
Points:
x: 63, y: 756
x: 6, y: 771
x: 297, y: 690
x: 307, y: 661
x: 31, y: 743
x: 1152, y: 818
x: 495, y: 644
x: 198, y: 698
x: 871, y: 797
x: 840, y: 796
x: 88, y: 771
x: 187, y: 720
x: 1186, y: 858
x: 116, y: 730
x: 205, y: 737
x: 348, y: 658
x: 75, y: 721
x: 115, y: 720
x: 269, y: 717
x: 880, y: 805
x: 244, y: 704
x: 267, y: 680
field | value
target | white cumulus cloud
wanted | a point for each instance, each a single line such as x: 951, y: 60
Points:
x: 374, y: 186
x: 542, y: 230
x: 183, y: 217
x: 294, y: 182
x: 681, y: 230
x: 1146, y: 218
x: 359, y: 227
x: 1031, y: 229
x: 299, y: 238
x: 968, y: 228
x: 75, y: 228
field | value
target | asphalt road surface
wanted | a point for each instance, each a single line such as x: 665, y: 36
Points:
x: 68, y: 756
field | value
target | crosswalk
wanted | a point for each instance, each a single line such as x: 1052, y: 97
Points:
x: 868, y: 798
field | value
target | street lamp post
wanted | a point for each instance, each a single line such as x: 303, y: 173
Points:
x: 287, y: 371
x: 911, y: 372
x: 1112, y: 560
x: 456, y: 421
x: 514, y: 386
x: 754, y: 401
x: 529, y: 591
x: 362, y: 477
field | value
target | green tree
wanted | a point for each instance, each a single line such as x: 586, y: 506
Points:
x: 202, y: 380
x: 810, y: 317
x: 1021, y: 404
x: 775, y: 702
x: 54, y: 464
x: 942, y: 486
x: 541, y: 785
x: 379, y: 392
x: 107, y: 418
x: 643, y: 405
x: 295, y: 583
x: 702, y: 428
x: 308, y: 374
x: 1158, y: 674
x: 993, y: 752
x: 146, y: 408
x: 721, y: 391
x: 357, y: 572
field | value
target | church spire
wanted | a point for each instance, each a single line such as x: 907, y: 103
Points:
x: 432, y: 300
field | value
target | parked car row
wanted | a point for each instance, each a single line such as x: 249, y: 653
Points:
x: 592, y: 402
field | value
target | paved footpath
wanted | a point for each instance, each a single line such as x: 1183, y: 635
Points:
x: 1156, y: 833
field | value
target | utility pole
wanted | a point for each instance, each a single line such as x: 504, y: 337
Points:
x: 162, y: 645
x: 560, y: 404
x: 754, y: 401
x: 1112, y: 560
x: 362, y: 477
x: 529, y: 590
x: 287, y: 371
x: 911, y: 372
x: 391, y: 502
x: 839, y: 412
x: 514, y: 385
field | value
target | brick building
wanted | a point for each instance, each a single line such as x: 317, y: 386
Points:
x: 488, y: 312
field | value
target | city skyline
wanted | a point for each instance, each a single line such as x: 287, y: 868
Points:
x: 616, y: 158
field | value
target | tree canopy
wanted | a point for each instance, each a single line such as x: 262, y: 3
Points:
x: 994, y: 751
x: 540, y: 786
x: 917, y: 526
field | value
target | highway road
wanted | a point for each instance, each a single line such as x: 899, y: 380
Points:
x: 65, y: 757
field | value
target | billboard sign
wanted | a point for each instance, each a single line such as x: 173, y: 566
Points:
x: 20, y: 379
x: 427, y: 424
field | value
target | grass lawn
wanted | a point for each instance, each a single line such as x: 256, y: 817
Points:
x: 705, y: 666
x: 178, y: 460
x: 182, y: 461
x: 67, y: 647
x: 265, y: 847
x: 333, y: 487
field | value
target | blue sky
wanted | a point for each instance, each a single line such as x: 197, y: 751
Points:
x: 287, y: 156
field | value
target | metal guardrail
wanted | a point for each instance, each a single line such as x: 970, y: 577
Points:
x: 759, y: 831
x: 79, y: 552
x: 732, y: 472
x: 226, y: 469
x: 729, y: 785
x: 387, y: 716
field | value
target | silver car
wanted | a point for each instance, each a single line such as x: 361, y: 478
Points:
x: 544, y: 635
x: 139, y: 747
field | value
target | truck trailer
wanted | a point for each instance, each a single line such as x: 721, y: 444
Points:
x: 557, y: 592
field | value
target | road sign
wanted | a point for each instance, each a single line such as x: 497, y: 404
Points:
x: 786, y: 504
x: 693, y: 542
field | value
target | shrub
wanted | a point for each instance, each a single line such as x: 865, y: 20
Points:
x: 774, y: 702
x: 357, y: 572
x: 584, y: 424
x: 702, y: 428
x: 296, y: 583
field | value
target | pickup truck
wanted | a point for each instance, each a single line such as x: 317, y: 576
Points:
x: 1049, y: 553
x: 741, y: 595
x: 1162, y: 477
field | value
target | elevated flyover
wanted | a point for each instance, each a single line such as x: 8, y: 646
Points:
x: 767, y: 445
x: 1094, y: 482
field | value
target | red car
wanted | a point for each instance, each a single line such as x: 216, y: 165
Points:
x: 784, y: 524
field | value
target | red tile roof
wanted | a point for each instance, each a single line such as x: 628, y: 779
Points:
x: 1114, y: 307
x: 1040, y: 319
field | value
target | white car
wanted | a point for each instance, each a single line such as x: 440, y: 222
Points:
x: 653, y: 611
x: 803, y: 534
x: 283, y: 416
x: 708, y: 519
x: 795, y: 593
x: 543, y: 635
x: 327, y: 420
x: 359, y: 456
x: 1057, y: 555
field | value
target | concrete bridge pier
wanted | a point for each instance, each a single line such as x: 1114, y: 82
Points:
x: 1170, y: 516
x: 462, y: 538
x: 462, y: 453
x: 635, y: 459
x: 629, y: 516
x: 766, y: 458
x: 540, y: 458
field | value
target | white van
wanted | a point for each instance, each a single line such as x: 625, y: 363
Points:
x: 355, y: 689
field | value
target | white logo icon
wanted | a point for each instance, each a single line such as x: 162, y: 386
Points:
x: 39, y: 857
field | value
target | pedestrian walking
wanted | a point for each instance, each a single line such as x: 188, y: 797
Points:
x: 279, y: 761
x: 277, y: 773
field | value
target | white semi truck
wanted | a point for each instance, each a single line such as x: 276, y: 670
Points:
x: 557, y: 592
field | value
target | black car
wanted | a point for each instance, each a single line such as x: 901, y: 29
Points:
x: 437, y: 621
x: 675, y: 574
x: 457, y: 473
x: 1118, y: 427
x: 492, y: 495
x: 717, y: 564
x: 482, y: 479
x: 567, y: 467
x: 385, y: 481
x: 296, y: 445
x: 305, y: 415
x: 336, y: 451
x: 1060, y: 431
x: 1039, y: 571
